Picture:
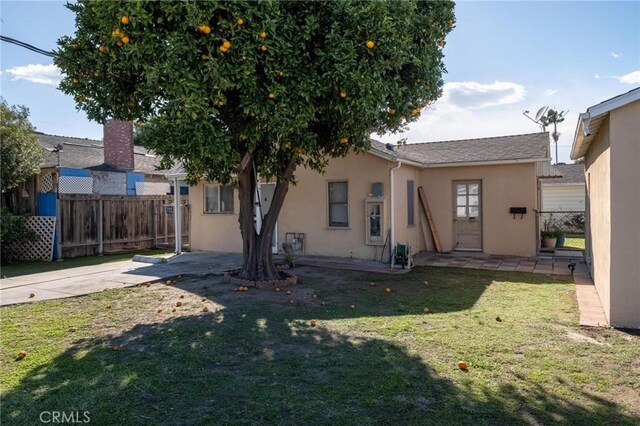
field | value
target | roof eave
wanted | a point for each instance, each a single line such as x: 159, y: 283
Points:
x: 486, y: 163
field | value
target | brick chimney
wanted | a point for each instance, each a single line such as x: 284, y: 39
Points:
x: 118, y: 144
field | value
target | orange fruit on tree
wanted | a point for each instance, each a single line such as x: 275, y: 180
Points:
x: 204, y: 57
x: 205, y: 29
x: 271, y: 96
x: 240, y: 21
x: 462, y: 365
x: 313, y: 323
x: 263, y: 48
x: 125, y: 39
x: 223, y: 49
x: 343, y: 94
x: 226, y: 44
x: 115, y: 32
x: 220, y: 103
x: 415, y: 111
x: 392, y: 111
x: 119, y: 43
x: 102, y: 49
x: 263, y: 34
x: 124, y: 20
x: 370, y: 44
x: 22, y: 354
x: 344, y: 140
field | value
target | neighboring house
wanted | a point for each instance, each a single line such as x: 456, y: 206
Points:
x: 366, y: 203
x: 566, y: 193
x: 113, y: 166
x: 608, y: 138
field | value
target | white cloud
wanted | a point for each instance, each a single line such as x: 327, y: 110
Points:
x: 550, y: 92
x: 36, y: 73
x: 474, y: 95
x: 615, y: 55
x: 631, y: 78
x: 597, y: 76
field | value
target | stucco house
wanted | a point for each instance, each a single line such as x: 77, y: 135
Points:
x: 364, y: 204
x: 608, y: 138
x: 565, y: 193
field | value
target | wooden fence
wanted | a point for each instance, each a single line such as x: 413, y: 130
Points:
x: 92, y: 225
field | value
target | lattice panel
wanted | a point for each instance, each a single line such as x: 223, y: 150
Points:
x: 42, y: 249
x: 152, y: 188
x: 75, y: 185
x: 46, y: 183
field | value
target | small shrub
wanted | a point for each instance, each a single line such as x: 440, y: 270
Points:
x: 13, y: 232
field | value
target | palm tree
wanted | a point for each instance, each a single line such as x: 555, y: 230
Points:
x: 553, y: 117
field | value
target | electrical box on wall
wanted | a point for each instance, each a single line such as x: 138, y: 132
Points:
x: 374, y: 220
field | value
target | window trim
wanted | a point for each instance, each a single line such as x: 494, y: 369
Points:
x: 218, y: 186
x: 329, y: 226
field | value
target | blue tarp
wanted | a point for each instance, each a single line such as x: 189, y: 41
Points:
x: 67, y: 171
x: 132, y: 178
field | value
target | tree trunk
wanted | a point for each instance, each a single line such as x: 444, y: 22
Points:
x: 256, y: 247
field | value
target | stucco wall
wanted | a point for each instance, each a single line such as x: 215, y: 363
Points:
x: 213, y: 231
x: 624, y: 133
x: 503, y: 186
x: 598, y: 177
x: 305, y: 208
x: 405, y: 233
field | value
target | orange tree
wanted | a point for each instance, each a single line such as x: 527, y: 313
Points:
x: 234, y: 90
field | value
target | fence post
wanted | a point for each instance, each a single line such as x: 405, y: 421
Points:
x: 100, y: 227
x: 153, y: 224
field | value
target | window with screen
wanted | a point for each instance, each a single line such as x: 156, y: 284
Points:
x: 218, y: 199
x: 338, y: 204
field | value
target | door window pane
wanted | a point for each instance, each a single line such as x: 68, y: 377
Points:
x: 461, y: 201
x: 473, y: 188
x: 374, y: 221
x: 461, y: 189
x: 474, y: 212
x: 473, y: 200
x: 461, y: 212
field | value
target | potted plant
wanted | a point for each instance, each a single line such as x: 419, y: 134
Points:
x: 548, y: 239
x: 559, y: 237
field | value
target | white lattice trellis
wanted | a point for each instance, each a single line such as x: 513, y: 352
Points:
x: 42, y: 249
x: 46, y: 183
x: 75, y: 185
x: 152, y: 188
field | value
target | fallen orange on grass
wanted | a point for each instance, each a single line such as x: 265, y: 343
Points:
x: 288, y: 292
x: 353, y: 306
x: 313, y: 323
x: 371, y: 44
x: 22, y: 354
x: 31, y: 295
x: 425, y: 310
x: 462, y: 365
x: 205, y: 309
x: 277, y: 289
x: 387, y: 290
x: 178, y: 304
x: 182, y: 296
x: 115, y: 348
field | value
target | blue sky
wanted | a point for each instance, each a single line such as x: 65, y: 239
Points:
x: 502, y: 58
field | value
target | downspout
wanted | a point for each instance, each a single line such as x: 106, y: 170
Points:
x: 392, y: 211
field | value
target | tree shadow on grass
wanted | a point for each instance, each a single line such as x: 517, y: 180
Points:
x: 244, y: 365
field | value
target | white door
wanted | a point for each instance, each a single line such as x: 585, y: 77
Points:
x: 265, y: 192
x: 467, y: 215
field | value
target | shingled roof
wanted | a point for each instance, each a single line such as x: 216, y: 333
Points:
x: 514, y: 148
x: 571, y: 174
x: 80, y: 153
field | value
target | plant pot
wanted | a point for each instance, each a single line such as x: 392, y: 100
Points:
x: 549, y: 242
x: 560, y: 241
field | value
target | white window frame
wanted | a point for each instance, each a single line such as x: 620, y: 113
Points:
x: 218, y: 188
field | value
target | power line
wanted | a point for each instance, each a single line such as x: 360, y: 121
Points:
x: 27, y: 46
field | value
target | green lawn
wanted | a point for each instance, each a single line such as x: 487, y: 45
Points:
x: 17, y: 269
x: 255, y: 359
x: 574, y: 242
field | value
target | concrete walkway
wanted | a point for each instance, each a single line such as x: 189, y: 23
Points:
x: 591, y: 309
x: 92, y: 279
x: 496, y: 263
